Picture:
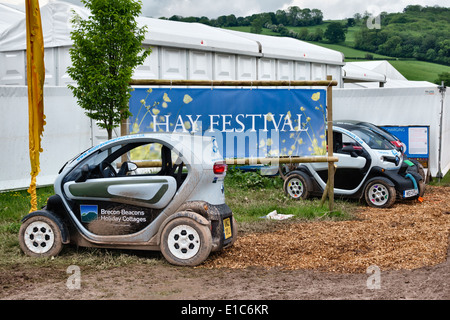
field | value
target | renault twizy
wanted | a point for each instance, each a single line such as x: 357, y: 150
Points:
x: 149, y: 192
x: 370, y: 167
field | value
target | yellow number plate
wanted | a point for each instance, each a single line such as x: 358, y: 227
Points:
x: 227, y: 227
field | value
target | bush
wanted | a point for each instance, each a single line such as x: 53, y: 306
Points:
x: 251, y: 180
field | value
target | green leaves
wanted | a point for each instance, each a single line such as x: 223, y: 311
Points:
x: 106, y: 49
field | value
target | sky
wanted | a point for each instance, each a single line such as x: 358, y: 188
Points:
x: 332, y: 9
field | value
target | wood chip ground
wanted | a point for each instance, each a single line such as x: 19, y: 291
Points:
x: 409, y: 235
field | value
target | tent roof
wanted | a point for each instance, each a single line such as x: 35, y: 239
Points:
x: 355, y: 73
x: 392, y: 84
x: 380, y: 66
x: 194, y: 36
x: 290, y: 48
x: 56, y: 27
x: 9, y: 16
x: 369, y: 74
x: 56, y: 16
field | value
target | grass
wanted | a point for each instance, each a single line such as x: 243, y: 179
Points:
x: 350, y: 52
x: 265, y: 31
x: 419, y: 70
x: 250, y: 196
x: 444, y: 181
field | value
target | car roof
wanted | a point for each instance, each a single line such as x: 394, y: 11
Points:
x: 369, y: 125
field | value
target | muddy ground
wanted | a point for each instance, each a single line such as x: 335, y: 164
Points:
x: 406, y: 247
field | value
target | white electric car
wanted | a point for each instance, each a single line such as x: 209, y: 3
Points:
x: 149, y: 192
x: 369, y: 167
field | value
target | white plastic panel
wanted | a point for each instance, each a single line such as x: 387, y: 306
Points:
x: 173, y: 63
x: 302, y: 70
x: 64, y: 61
x: 266, y: 69
x: 149, y: 69
x: 335, y: 72
x: 246, y: 68
x: 224, y: 66
x: 12, y: 68
x: 318, y: 71
x: 50, y: 67
x: 200, y: 65
x: 285, y: 70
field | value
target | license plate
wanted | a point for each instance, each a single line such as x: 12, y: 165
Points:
x: 227, y: 227
x: 410, y: 193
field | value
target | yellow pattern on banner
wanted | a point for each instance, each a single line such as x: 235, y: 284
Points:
x: 35, y: 79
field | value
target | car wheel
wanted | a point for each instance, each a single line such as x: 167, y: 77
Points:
x: 186, y: 242
x: 39, y: 236
x: 421, y: 188
x: 296, y: 186
x: 380, y: 194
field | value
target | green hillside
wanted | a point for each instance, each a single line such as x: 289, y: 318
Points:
x: 416, y: 41
x: 411, y: 69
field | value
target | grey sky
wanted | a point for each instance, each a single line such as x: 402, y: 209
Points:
x: 332, y: 9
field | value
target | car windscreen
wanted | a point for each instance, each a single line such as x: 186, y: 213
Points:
x: 373, y: 139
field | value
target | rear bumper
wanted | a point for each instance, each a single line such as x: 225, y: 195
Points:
x: 218, y: 214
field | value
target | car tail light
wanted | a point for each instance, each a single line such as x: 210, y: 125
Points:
x: 220, y: 167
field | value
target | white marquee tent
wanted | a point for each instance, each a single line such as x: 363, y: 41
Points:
x: 180, y: 51
x: 9, y: 16
x: 195, y: 51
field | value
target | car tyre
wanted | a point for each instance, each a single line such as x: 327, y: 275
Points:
x: 380, y: 194
x: 422, y: 187
x: 40, y: 236
x: 185, y: 242
x: 234, y: 231
x: 296, y: 186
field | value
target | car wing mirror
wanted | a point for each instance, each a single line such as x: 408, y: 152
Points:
x: 353, y: 150
x: 84, y: 173
x: 132, y: 166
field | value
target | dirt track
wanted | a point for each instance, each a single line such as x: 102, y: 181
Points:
x: 408, y: 243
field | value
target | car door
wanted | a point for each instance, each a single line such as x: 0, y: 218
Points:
x: 351, y: 168
x: 108, y: 200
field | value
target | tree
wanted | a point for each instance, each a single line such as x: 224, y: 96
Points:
x: 293, y: 15
x: 317, y: 16
x: 335, y: 32
x: 318, y: 35
x: 106, y: 49
x: 351, y: 22
x: 231, y: 20
x: 444, y: 76
x: 257, y: 25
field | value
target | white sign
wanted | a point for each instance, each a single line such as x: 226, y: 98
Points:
x: 418, y: 141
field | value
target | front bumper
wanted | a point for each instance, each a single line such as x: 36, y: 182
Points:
x: 406, y: 184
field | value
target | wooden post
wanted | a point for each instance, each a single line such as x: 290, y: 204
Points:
x: 330, y: 182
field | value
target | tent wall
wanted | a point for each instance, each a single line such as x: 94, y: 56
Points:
x: 399, y: 107
x: 67, y: 132
x: 175, y: 64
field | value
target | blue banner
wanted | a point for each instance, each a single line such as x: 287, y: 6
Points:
x: 415, y: 139
x: 245, y: 122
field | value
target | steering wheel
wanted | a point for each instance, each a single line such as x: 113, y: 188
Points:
x: 107, y: 170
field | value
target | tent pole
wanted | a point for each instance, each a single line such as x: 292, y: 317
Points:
x: 330, y: 182
x: 442, y: 89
